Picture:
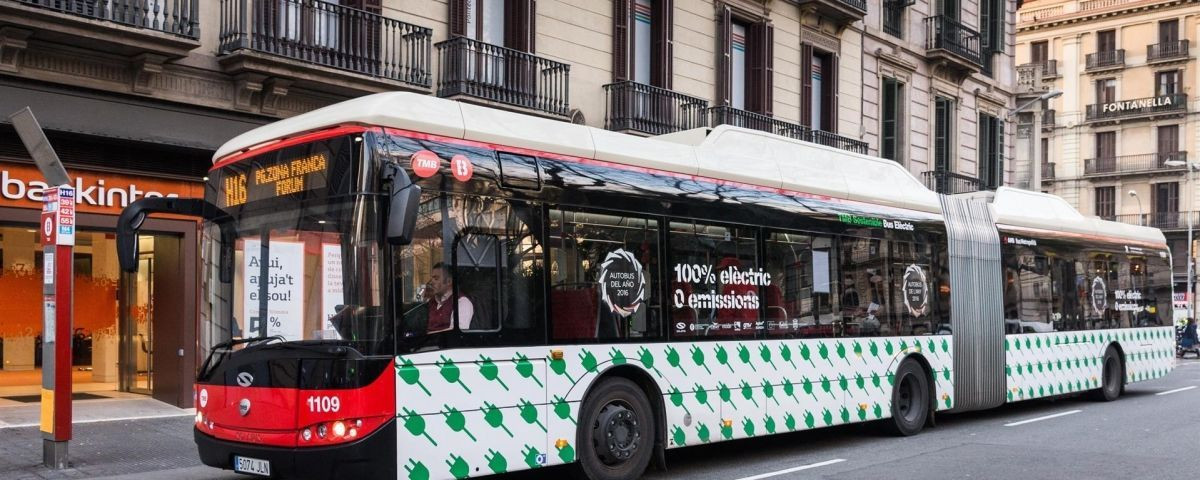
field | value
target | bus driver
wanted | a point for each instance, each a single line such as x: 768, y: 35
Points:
x: 438, y: 293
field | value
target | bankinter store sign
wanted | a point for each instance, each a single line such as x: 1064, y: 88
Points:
x: 23, y: 186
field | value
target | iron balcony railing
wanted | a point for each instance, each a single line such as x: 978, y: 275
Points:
x: 1167, y: 50
x: 944, y: 33
x: 1144, y: 163
x: 503, y: 75
x: 949, y: 183
x: 328, y: 34
x: 177, y: 17
x: 1049, y: 68
x: 1137, y: 107
x: 724, y: 115
x: 893, y: 16
x: 860, y: 5
x: 1163, y: 220
x: 1107, y: 59
x: 651, y: 110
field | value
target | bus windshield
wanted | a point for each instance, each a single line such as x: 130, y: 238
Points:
x: 295, y: 255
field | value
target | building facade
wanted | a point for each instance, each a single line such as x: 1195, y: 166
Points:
x: 1115, y: 143
x: 137, y: 94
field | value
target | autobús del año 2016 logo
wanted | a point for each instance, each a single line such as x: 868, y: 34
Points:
x: 622, y: 283
x: 1099, y: 295
x: 916, y: 291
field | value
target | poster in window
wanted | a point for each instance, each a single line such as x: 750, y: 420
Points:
x: 331, y: 286
x: 285, y: 289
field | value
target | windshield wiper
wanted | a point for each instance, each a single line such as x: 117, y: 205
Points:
x: 226, y: 347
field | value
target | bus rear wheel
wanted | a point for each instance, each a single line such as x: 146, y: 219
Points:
x: 616, y: 431
x: 910, y: 399
x: 1112, y: 377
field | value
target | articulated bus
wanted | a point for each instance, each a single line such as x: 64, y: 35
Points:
x: 402, y: 286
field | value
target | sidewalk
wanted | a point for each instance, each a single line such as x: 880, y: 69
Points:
x: 122, y: 435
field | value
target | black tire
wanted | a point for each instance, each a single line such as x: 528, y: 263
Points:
x: 910, y: 400
x: 616, y: 431
x: 1112, y: 377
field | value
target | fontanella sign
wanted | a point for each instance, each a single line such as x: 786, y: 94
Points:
x: 1139, y: 104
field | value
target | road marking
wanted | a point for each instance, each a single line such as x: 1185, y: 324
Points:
x: 1038, y: 419
x: 100, y: 420
x: 793, y: 469
x: 1177, y: 390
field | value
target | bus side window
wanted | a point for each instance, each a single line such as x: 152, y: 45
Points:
x: 800, y: 295
x: 715, y: 280
x: 603, y: 276
x: 864, y: 303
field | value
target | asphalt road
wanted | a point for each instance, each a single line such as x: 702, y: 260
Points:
x: 1149, y: 433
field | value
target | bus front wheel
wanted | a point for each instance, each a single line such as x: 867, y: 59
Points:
x: 616, y: 436
x: 910, y: 399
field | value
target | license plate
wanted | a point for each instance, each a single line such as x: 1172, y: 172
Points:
x: 252, y: 466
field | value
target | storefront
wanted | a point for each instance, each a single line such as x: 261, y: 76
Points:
x: 133, y: 332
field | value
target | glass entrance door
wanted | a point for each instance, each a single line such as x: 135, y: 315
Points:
x: 137, y: 315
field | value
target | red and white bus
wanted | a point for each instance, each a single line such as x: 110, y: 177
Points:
x: 401, y: 286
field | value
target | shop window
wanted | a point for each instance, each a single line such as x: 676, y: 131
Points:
x: 603, y: 276
x: 715, y: 280
x: 799, y: 296
x: 475, y: 266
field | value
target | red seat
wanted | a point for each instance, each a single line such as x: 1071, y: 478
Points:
x: 573, y: 313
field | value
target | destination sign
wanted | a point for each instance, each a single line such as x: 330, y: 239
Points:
x: 274, y: 179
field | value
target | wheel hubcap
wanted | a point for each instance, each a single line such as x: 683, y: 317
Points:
x: 615, y: 434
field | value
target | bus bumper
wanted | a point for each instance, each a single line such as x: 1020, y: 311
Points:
x: 373, y: 456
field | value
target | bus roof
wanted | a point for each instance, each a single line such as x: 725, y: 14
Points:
x: 724, y: 153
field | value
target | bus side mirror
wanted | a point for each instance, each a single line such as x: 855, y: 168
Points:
x: 133, y: 216
x: 404, y: 198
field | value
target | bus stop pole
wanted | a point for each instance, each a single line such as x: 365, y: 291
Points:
x: 58, y: 240
x: 57, y: 230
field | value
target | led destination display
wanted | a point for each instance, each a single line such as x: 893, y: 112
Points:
x: 269, y: 179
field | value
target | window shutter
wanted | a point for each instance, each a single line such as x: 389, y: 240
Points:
x: 519, y: 20
x: 724, y: 55
x: 531, y: 30
x: 831, y: 101
x: 458, y: 18
x: 887, y: 114
x: 754, y: 67
x: 806, y: 85
x: 1000, y: 152
x: 663, y: 18
x: 987, y: 169
x: 767, y: 84
x: 622, y: 18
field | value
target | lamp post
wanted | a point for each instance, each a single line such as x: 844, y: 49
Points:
x: 1141, y: 216
x: 1187, y: 181
x: 1035, y: 161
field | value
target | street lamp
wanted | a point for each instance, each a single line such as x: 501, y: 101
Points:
x: 1141, y: 220
x: 1035, y: 136
x: 1187, y: 181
